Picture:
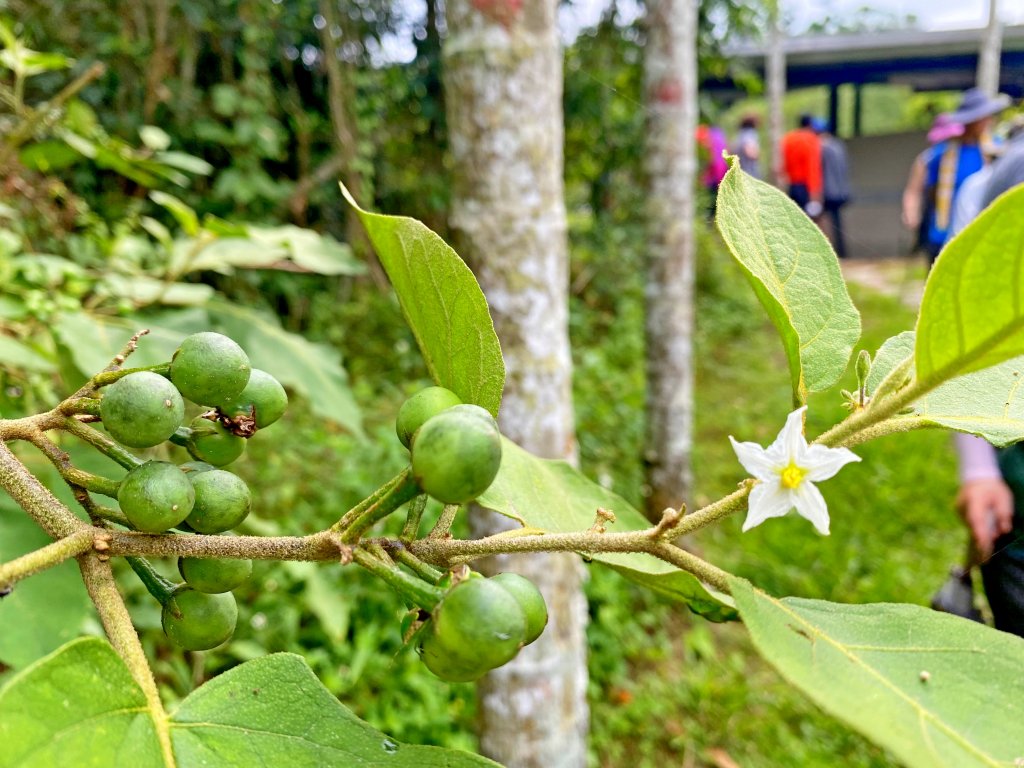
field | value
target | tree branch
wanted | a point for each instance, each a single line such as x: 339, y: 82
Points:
x: 32, y: 496
x: 52, y: 554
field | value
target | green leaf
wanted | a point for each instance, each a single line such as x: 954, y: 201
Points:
x: 919, y: 683
x: 81, y: 707
x: 309, y: 250
x: 44, y: 610
x: 18, y: 354
x: 972, y: 312
x: 443, y: 305
x: 184, y: 162
x: 143, y: 289
x: 988, y: 403
x: 154, y: 137
x: 48, y: 156
x: 891, y: 354
x: 313, y: 370
x: 795, y: 275
x: 555, y: 497
x: 185, y: 216
x: 273, y: 711
x: 93, y: 340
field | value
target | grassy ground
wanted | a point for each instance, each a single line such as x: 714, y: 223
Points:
x: 671, y: 689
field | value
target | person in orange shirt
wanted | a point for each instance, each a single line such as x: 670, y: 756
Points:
x: 801, y: 164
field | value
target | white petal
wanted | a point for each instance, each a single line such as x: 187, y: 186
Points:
x: 811, y: 505
x: 822, y: 462
x: 754, y: 459
x: 790, y: 445
x: 768, y: 499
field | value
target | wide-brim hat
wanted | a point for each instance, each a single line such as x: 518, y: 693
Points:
x: 943, y: 129
x: 975, y: 105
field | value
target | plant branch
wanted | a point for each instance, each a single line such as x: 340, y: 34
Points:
x: 32, y: 496
x: 102, y: 443
x: 421, y: 593
x: 444, y: 522
x: 52, y: 554
x: 412, y: 521
x: 99, y: 581
x: 390, y: 497
x: 71, y: 474
x: 316, y: 547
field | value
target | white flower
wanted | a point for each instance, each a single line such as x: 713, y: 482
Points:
x: 787, y: 470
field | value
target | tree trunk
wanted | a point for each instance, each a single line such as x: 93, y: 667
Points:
x: 670, y: 83
x: 775, y: 74
x: 503, y: 79
x: 989, y: 55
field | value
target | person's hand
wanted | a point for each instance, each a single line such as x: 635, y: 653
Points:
x: 813, y: 209
x: 987, y: 508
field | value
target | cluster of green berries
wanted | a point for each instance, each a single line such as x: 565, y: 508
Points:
x: 455, y: 447
x: 481, y: 624
x: 144, y: 409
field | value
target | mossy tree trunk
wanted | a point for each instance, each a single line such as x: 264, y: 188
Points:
x: 503, y: 80
x: 670, y: 83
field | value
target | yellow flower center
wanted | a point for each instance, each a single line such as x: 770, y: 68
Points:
x: 792, y: 476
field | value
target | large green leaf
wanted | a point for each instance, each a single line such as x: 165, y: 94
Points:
x: 443, y: 305
x: 795, y: 274
x: 553, y: 496
x: 81, y: 707
x: 44, y: 611
x: 989, y: 403
x: 936, y: 690
x: 273, y: 711
x: 972, y: 312
x: 313, y: 370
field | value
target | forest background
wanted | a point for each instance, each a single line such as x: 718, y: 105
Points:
x: 244, y: 119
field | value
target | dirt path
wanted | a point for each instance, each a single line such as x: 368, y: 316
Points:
x: 902, y: 278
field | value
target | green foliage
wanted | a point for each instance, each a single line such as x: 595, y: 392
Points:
x: 794, y: 273
x: 443, y: 305
x: 971, y: 314
x: 912, y: 678
x: 270, y: 708
x: 988, y: 403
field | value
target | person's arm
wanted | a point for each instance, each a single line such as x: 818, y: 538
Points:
x: 814, y: 179
x: 913, y: 194
x: 984, y: 500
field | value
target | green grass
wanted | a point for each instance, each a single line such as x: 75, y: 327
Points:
x: 668, y: 688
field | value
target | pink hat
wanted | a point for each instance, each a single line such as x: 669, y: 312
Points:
x: 944, y: 128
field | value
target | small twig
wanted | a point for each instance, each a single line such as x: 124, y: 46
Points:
x: 423, y: 594
x: 412, y: 521
x: 669, y: 519
x: 102, y: 443
x: 71, y: 474
x: 99, y: 581
x: 32, y: 496
x: 46, y: 557
x: 601, y: 517
x: 126, y: 351
x: 443, y: 525
x: 400, y: 490
x: 159, y: 587
x: 396, y: 549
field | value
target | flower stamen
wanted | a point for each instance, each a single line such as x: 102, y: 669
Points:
x: 791, y: 476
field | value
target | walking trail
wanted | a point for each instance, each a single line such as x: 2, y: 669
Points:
x: 898, y: 277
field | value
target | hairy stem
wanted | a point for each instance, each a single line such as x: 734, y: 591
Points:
x: 412, y: 522
x: 402, y: 555
x: 413, y: 588
x: 32, y: 496
x: 400, y: 490
x: 99, y: 581
x: 102, y: 443
x: 318, y: 546
x: 52, y: 554
x: 444, y: 523
x: 159, y: 587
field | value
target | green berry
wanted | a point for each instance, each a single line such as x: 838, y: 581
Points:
x: 212, y: 443
x: 535, y: 610
x: 155, y: 497
x: 263, y: 400
x: 453, y: 667
x: 214, y: 576
x: 141, y: 409
x: 209, y: 368
x: 456, y: 456
x: 479, y: 624
x: 475, y: 410
x: 222, y: 501
x: 197, y: 621
x: 424, y: 405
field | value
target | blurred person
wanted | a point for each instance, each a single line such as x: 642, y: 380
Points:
x: 835, y: 182
x: 954, y: 160
x: 747, y: 146
x: 801, y: 165
x: 711, y: 140
x: 916, y: 208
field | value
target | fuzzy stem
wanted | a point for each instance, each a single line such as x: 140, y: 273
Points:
x: 99, y: 581
x: 318, y: 546
x: 400, y: 490
x: 46, y: 557
x: 402, y: 555
x: 32, y: 496
x: 103, y: 444
x: 71, y: 474
x: 412, y: 522
x: 414, y: 589
x: 109, y: 377
x: 155, y: 584
x: 444, y: 523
